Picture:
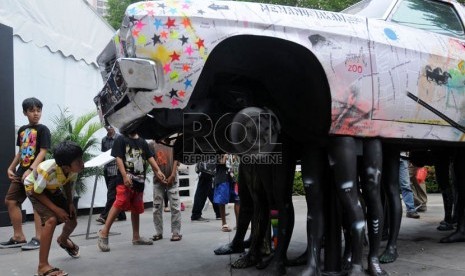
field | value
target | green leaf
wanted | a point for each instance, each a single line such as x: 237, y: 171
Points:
x: 81, y: 131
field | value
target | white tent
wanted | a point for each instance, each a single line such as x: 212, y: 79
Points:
x: 56, y: 44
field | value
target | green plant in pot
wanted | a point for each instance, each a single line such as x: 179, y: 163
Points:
x: 81, y: 131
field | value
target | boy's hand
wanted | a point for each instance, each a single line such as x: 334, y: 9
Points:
x: 160, y: 179
x: 25, y: 174
x: 170, y: 180
x: 62, y: 215
x: 11, y: 175
x: 161, y: 176
x: 127, y: 181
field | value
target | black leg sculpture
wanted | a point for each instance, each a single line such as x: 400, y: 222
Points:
x: 246, y: 176
x: 283, y: 180
x: 459, y: 172
x: 314, y: 160
x: 260, y: 219
x: 343, y: 162
x: 441, y: 166
x: 390, y: 181
x: 371, y: 181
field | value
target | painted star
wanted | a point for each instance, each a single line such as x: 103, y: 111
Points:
x: 173, y: 93
x: 185, y: 6
x: 170, y: 23
x: 151, y: 13
x: 135, y: 32
x: 174, y: 76
x: 201, y: 12
x: 174, y: 102
x: 156, y: 39
x: 158, y: 99
x: 182, y: 93
x: 189, y: 50
x: 164, y: 34
x: 157, y: 23
x: 132, y: 11
x: 140, y: 24
x: 184, y: 39
x: 161, y: 6
x: 149, y: 4
x: 188, y: 83
x: 132, y: 19
x: 186, y: 22
x: 174, y: 34
x: 141, y: 40
x: 173, y: 11
x: 167, y: 68
x: 174, y: 56
x: 200, y: 43
x: 186, y: 67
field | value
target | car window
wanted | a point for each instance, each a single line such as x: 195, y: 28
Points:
x: 430, y: 16
x: 369, y: 8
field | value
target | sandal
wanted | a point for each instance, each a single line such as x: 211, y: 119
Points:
x: 102, y: 242
x: 142, y: 241
x: 176, y: 237
x: 157, y: 237
x: 11, y: 243
x: 73, y: 251
x: 225, y: 228
x: 53, y: 272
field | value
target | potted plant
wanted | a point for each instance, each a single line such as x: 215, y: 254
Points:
x: 81, y: 131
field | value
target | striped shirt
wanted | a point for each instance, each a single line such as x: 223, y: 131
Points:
x: 107, y: 143
x: 48, y: 176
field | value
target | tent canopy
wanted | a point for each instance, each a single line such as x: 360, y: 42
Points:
x: 71, y: 27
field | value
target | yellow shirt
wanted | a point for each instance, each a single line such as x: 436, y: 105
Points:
x: 48, y: 176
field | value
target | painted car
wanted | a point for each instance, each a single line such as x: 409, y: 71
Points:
x: 389, y: 69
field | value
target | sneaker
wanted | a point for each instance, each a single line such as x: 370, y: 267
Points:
x: 422, y: 208
x: 100, y: 220
x: 413, y: 214
x: 167, y: 209
x: 31, y: 245
x: 201, y: 219
x: 12, y: 243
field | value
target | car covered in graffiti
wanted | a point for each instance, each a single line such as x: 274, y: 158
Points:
x: 393, y: 69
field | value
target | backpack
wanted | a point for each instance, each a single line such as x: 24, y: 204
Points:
x: 208, y: 167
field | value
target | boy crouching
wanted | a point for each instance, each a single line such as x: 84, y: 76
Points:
x: 43, y: 188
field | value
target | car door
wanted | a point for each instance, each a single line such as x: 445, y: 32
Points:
x: 419, y: 68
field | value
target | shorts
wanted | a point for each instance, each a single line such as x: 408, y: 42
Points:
x: 129, y: 200
x: 224, y: 193
x: 44, y: 212
x: 16, y: 192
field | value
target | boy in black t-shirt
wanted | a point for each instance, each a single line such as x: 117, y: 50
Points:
x: 132, y: 153
x: 33, y: 141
